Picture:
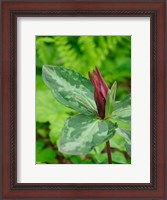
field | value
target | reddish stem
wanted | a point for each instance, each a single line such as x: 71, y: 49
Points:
x: 109, y: 152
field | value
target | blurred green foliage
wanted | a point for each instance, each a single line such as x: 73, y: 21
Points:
x: 112, y: 55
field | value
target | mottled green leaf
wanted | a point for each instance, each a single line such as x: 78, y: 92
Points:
x: 98, y: 149
x: 70, y: 88
x: 128, y: 148
x: 110, y: 100
x: 82, y: 133
x: 122, y: 110
x: 111, y: 126
x: 126, y: 134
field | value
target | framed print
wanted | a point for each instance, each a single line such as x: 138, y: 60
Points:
x: 83, y: 100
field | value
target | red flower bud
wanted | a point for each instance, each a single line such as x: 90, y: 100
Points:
x: 100, y: 91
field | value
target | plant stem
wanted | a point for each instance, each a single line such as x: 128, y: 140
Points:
x: 109, y: 152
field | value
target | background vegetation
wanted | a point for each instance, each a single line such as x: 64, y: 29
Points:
x: 112, y: 55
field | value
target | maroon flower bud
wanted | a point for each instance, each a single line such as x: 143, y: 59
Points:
x: 100, y: 91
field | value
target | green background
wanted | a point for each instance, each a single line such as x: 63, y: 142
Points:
x: 112, y: 55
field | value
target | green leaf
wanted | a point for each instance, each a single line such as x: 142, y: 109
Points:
x: 122, y: 110
x: 100, y: 158
x: 118, y: 157
x: 82, y: 133
x: 117, y: 142
x: 70, y: 88
x: 75, y: 159
x: 39, y: 145
x: 49, y: 110
x: 121, y: 124
x: 110, y: 100
x: 42, y: 129
x: 46, y: 155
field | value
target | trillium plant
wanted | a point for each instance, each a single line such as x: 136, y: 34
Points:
x: 99, y: 116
